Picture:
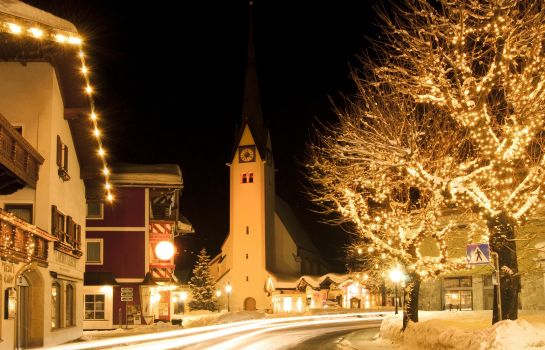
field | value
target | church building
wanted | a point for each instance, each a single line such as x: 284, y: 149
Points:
x: 265, y: 241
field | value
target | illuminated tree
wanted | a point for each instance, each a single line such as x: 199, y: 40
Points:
x: 355, y: 175
x: 202, y: 285
x: 477, y: 66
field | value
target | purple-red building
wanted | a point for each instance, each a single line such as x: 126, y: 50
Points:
x: 129, y: 273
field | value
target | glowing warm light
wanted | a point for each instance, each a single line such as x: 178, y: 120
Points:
x: 218, y: 293
x: 96, y: 132
x: 93, y: 116
x: 74, y: 40
x: 228, y: 288
x: 84, y: 70
x: 14, y: 28
x: 107, y: 186
x: 164, y: 250
x: 36, y: 32
x: 110, y: 197
x: 106, y: 171
x: 61, y: 38
x: 183, y: 296
x: 395, y: 275
x: 89, y: 89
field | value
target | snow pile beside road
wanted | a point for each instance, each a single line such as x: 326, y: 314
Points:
x: 466, y: 330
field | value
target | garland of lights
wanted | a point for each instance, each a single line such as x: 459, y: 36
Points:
x: 40, y: 32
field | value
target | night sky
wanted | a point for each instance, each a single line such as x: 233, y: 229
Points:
x: 170, y: 84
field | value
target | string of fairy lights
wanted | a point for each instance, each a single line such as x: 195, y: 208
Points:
x: 24, y: 28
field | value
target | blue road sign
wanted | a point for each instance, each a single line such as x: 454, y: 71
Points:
x: 478, y: 254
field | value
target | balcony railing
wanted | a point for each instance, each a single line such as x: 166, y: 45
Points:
x: 21, y: 241
x: 17, y: 155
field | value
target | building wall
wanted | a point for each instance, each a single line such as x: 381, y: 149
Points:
x: 128, y: 210
x: 108, y: 321
x: 30, y: 97
x: 247, y: 231
x: 285, y: 250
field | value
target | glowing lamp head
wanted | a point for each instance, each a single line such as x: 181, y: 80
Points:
x: 395, y: 275
x: 228, y: 288
x: 164, y: 250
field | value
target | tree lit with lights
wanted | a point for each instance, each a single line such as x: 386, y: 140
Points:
x: 455, y: 105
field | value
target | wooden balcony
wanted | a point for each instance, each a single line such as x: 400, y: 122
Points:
x: 21, y: 241
x: 19, y: 161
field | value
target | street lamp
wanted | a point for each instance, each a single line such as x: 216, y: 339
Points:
x: 228, y: 289
x: 218, y: 295
x: 395, y: 276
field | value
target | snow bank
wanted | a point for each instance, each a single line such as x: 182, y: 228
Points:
x: 466, y: 330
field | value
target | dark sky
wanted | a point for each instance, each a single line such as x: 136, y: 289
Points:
x: 170, y: 80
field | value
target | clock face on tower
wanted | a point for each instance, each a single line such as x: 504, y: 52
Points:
x: 246, y: 154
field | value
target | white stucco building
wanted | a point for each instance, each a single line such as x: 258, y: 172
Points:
x: 42, y: 191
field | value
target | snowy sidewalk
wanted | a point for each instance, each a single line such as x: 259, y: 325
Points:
x: 465, y: 330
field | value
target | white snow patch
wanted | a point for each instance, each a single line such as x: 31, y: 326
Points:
x: 467, y: 330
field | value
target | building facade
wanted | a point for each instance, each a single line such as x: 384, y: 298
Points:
x: 42, y: 191
x: 130, y: 259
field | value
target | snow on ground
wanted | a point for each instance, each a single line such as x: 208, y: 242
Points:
x: 467, y: 330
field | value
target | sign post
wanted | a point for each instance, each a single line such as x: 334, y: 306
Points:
x: 126, y: 295
x: 479, y: 254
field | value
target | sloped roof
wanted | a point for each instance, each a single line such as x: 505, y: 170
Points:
x: 147, y: 174
x: 20, y: 10
x: 294, y: 227
x: 281, y: 281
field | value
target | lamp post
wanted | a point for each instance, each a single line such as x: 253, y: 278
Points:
x: 228, y: 289
x: 218, y: 295
x: 395, y: 276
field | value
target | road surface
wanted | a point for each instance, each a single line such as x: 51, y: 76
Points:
x: 299, y: 333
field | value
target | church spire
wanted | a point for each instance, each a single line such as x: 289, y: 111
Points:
x: 251, y: 107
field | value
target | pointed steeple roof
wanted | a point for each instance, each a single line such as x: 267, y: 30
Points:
x: 252, y: 115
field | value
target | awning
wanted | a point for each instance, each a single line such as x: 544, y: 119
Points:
x: 99, y: 279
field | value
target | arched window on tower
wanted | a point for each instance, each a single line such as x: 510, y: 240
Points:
x: 244, y: 178
x: 251, y: 178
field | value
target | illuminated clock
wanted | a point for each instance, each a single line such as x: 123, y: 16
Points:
x: 246, y: 154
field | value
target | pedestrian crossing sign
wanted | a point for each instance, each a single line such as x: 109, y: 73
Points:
x: 478, y: 254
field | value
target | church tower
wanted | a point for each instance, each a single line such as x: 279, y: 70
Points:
x: 252, y: 197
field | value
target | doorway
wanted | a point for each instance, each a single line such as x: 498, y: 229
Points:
x: 29, y: 330
x: 23, y: 322
x: 249, y: 304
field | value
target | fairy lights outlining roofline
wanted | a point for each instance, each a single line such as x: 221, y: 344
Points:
x: 20, y: 27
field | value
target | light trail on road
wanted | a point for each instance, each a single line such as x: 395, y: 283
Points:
x: 186, y: 337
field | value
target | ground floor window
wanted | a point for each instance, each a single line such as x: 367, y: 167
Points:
x: 55, y: 305
x: 458, y: 300
x: 94, y: 306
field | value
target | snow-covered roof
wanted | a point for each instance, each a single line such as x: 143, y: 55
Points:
x: 20, y: 10
x: 147, y: 174
x: 291, y: 282
x: 294, y: 227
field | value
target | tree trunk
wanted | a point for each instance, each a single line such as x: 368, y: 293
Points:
x: 410, y: 296
x: 502, y: 234
x: 383, y: 293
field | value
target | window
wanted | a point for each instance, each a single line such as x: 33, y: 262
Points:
x: 455, y: 282
x: 247, y: 230
x: 247, y: 178
x: 62, y: 159
x: 55, y: 305
x: 95, y: 251
x: 95, y: 210
x: 22, y: 211
x: 94, y: 306
x: 246, y: 256
x: 69, y: 307
x: 18, y: 128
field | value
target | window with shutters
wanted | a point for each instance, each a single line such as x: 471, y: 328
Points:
x: 95, y: 251
x: 62, y: 159
x: 67, y: 231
